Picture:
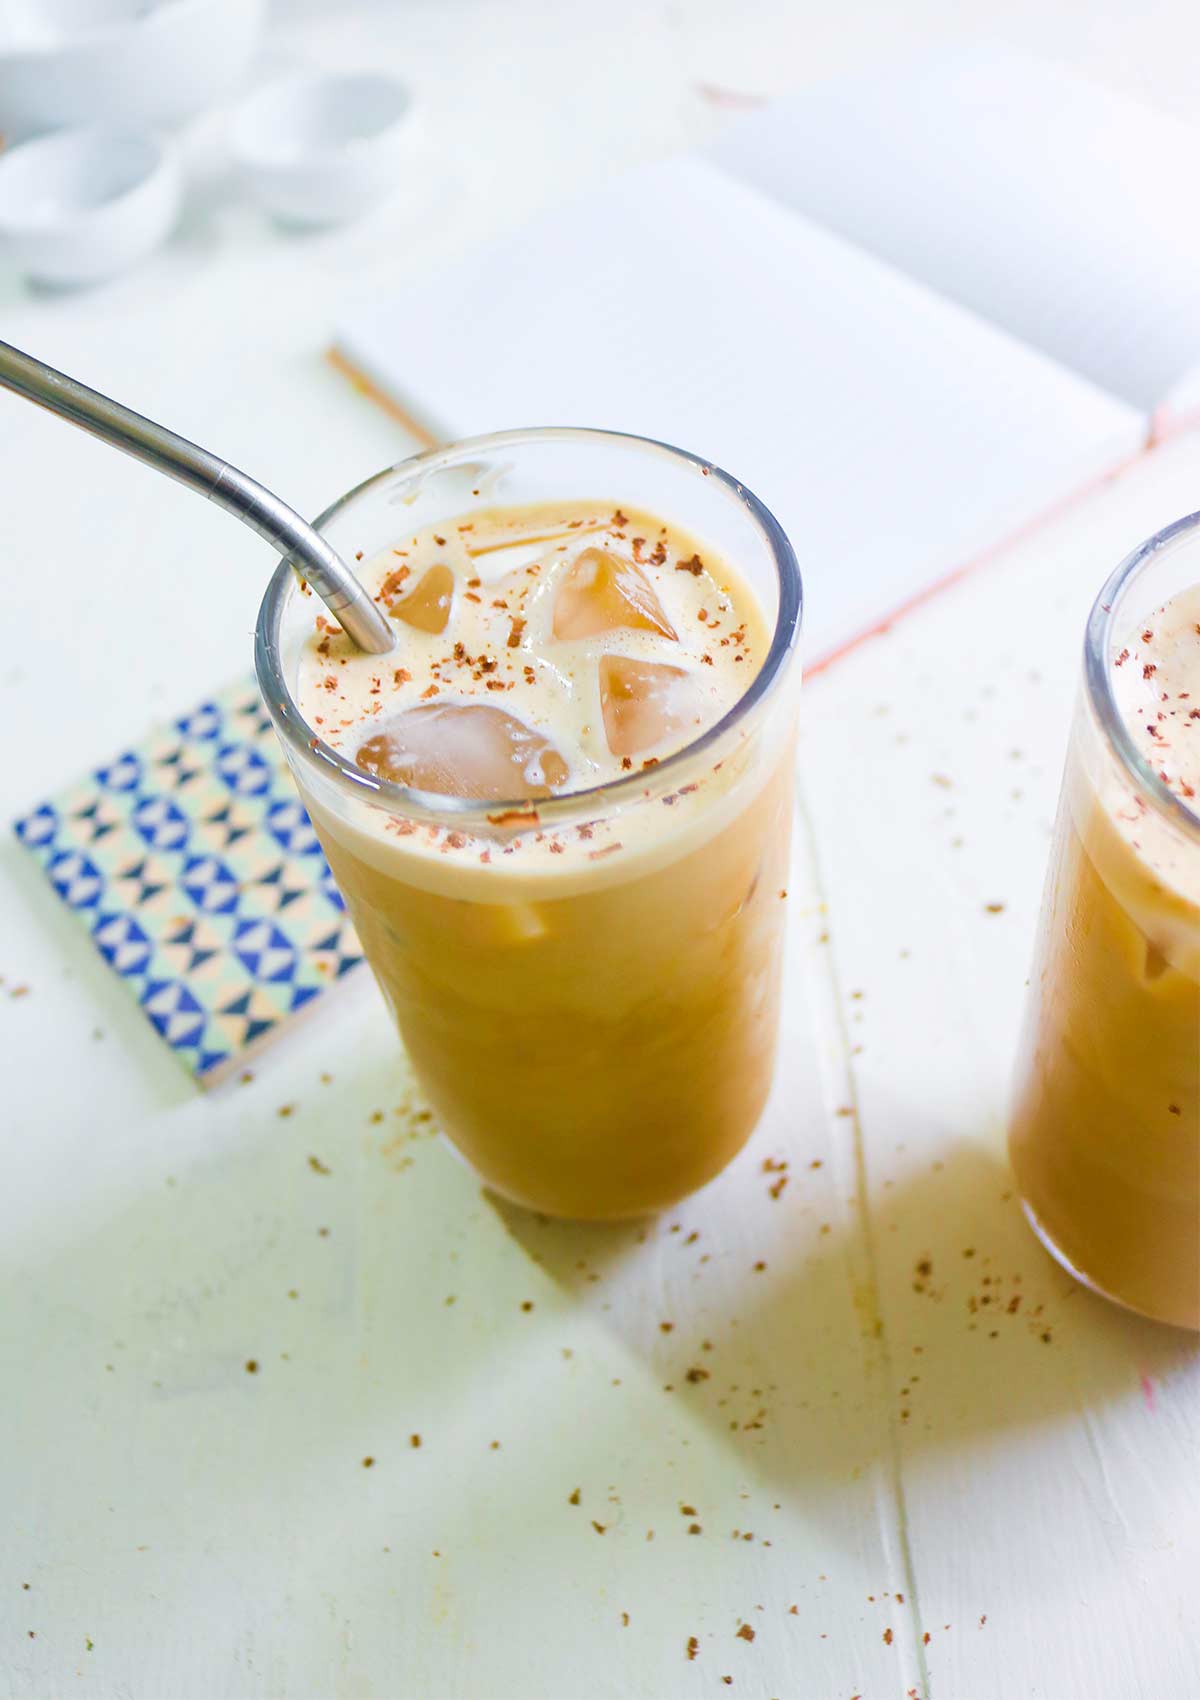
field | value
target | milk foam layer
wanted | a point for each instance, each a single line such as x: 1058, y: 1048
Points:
x: 1157, y: 685
x: 617, y: 637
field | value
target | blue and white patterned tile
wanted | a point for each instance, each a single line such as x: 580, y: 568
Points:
x: 162, y: 823
x: 244, y: 770
x: 123, y: 944
x: 196, y: 872
x: 76, y: 878
x: 123, y: 774
x: 39, y: 828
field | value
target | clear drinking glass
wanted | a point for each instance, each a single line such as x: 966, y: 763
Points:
x: 1105, y: 1133
x: 596, y: 1029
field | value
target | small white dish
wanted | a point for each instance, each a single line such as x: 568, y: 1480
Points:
x: 82, y: 205
x: 135, y: 63
x: 317, y: 149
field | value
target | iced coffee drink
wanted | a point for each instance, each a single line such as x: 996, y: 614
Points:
x: 561, y: 834
x: 1105, y: 1136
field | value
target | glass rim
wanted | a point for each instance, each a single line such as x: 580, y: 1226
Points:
x: 301, y: 739
x: 1099, y: 643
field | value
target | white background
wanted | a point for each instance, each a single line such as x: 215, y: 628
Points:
x: 185, y: 1529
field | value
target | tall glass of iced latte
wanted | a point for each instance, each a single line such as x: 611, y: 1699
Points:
x: 1105, y: 1135
x: 559, y: 811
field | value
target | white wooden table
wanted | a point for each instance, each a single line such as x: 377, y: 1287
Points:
x: 857, y: 1436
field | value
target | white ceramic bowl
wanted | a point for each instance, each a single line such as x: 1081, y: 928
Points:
x: 316, y: 149
x: 136, y: 63
x: 83, y: 205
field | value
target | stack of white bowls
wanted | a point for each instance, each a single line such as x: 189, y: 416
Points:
x: 91, y: 91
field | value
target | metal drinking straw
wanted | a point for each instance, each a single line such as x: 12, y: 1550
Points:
x: 320, y: 566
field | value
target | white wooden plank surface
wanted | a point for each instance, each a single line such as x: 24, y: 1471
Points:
x: 1049, y: 1456
x: 214, y: 1533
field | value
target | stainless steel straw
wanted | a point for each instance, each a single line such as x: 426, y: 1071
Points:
x: 318, y: 564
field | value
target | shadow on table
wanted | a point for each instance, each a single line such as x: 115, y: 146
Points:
x: 963, y: 1321
x: 336, y: 1285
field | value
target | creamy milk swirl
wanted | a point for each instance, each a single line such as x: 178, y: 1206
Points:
x: 540, y: 650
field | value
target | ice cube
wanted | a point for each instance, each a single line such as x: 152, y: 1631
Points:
x: 465, y: 750
x: 427, y: 605
x: 645, y: 702
x: 600, y: 592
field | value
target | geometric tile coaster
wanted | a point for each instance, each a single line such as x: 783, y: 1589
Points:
x: 193, y: 865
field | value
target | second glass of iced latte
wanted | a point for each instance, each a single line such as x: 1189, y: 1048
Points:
x: 1105, y: 1131
x: 560, y: 810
